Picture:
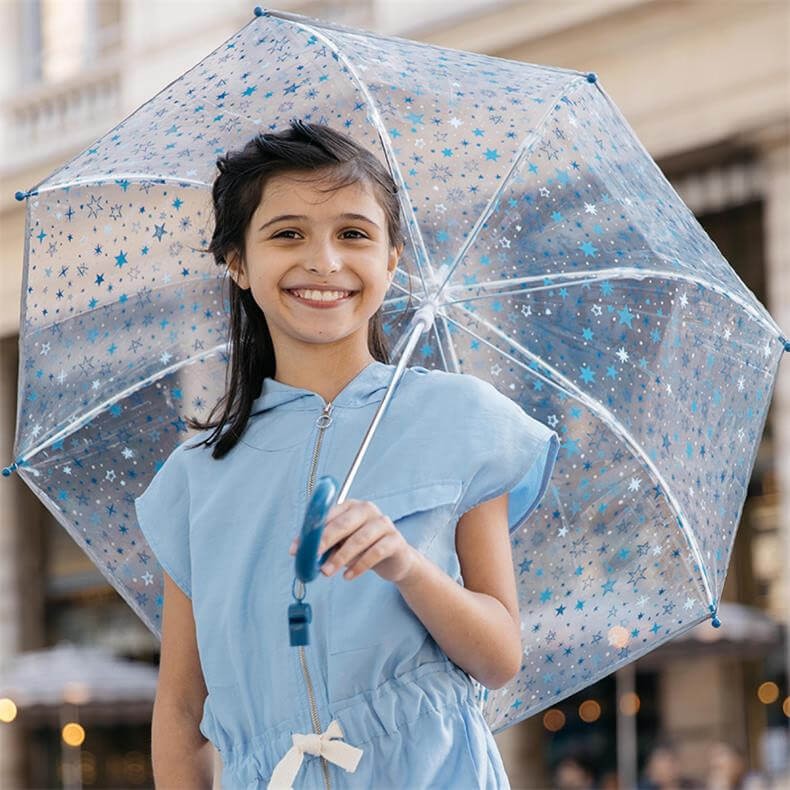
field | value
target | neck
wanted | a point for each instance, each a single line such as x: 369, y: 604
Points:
x: 322, y: 370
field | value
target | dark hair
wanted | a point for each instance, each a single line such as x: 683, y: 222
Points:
x: 236, y: 193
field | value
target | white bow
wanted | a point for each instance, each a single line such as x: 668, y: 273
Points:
x: 343, y: 754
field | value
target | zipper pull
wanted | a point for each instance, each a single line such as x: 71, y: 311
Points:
x: 325, y: 420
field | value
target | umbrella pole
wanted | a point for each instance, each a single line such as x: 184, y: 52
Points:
x: 421, y: 322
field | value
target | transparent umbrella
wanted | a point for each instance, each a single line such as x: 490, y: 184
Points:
x: 549, y: 256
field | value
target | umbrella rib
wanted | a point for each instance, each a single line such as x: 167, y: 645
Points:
x: 583, y: 278
x: 90, y: 180
x: 525, y: 146
x: 72, y: 427
x: 412, y: 225
x: 603, y: 413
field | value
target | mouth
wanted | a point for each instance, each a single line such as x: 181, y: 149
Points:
x: 315, y: 298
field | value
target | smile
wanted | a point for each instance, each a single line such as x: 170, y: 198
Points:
x: 314, y: 298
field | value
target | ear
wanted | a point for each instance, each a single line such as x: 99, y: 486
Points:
x: 392, y: 262
x: 236, y: 270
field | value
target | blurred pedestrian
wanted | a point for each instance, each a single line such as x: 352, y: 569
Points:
x: 575, y: 772
x: 728, y: 769
x: 662, y: 771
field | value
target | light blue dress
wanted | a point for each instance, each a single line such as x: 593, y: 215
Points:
x: 221, y: 529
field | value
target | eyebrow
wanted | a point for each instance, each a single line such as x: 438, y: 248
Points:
x: 289, y: 217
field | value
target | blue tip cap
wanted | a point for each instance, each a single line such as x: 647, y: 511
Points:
x: 715, y: 622
x: 259, y: 11
x: 785, y: 342
x: 20, y: 195
x: 592, y: 77
x: 9, y: 470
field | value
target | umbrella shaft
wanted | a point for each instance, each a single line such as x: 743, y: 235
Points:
x: 421, y: 325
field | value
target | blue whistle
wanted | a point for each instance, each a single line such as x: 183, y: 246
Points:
x: 307, y: 565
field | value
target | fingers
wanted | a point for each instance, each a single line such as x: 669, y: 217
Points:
x: 355, y: 534
x: 356, y: 545
x: 344, y: 519
x: 378, y: 551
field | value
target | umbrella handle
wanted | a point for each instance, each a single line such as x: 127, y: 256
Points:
x: 306, y: 563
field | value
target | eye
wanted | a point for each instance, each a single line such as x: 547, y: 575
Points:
x: 281, y: 234
x: 358, y: 234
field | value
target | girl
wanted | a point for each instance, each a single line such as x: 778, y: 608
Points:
x: 307, y: 225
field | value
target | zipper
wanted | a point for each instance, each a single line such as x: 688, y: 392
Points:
x: 323, y: 422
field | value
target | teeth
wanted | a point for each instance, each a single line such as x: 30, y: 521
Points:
x: 322, y: 296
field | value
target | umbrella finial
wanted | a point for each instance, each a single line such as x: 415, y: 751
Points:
x: 715, y: 622
x: 9, y: 470
x: 592, y: 77
x: 260, y: 11
x: 785, y: 342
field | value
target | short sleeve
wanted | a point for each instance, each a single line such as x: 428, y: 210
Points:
x: 163, y: 516
x: 506, y: 450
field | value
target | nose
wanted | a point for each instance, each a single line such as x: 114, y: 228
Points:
x: 324, y: 258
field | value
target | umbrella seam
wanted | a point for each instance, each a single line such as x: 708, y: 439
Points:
x: 614, y: 273
x: 526, y: 145
x: 386, y: 144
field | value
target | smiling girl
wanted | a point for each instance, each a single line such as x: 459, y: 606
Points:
x: 418, y: 597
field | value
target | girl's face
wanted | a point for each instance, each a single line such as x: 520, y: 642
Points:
x: 303, y: 238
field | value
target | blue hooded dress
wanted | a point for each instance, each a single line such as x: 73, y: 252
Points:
x: 405, y: 714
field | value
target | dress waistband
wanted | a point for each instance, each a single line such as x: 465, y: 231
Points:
x: 427, y: 690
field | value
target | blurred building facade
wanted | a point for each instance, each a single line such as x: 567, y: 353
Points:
x: 706, y: 86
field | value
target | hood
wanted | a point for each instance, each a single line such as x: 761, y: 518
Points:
x: 368, y: 386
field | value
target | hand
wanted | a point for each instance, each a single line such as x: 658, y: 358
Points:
x: 364, y: 538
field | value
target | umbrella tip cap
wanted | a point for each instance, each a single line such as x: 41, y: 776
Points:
x: 260, y: 11
x: 8, y: 470
x: 592, y: 77
x: 786, y: 343
x: 20, y: 195
x: 714, y: 609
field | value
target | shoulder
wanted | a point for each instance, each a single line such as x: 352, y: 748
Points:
x: 189, y: 453
x: 462, y: 389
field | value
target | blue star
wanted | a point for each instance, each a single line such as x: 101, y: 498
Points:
x: 120, y: 259
x: 588, y: 249
x: 492, y: 154
x: 159, y: 231
x: 608, y: 586
x: 588, y: 375
x: 626, y: 316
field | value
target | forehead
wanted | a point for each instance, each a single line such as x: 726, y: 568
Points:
x: 305, y: 193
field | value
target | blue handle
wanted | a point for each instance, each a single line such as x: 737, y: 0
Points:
x: 307, y: 565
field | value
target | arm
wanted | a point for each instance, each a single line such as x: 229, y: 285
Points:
x: 477, y: 625
x: 182, y: 758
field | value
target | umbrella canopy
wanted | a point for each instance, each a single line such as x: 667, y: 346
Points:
x: 554, y: 257
x: 75, y: 674
x: 746, y: 633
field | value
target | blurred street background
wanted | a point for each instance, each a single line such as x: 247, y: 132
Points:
x: 706, y: 86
